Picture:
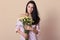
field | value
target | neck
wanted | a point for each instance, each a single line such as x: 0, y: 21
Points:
x: 28, y: 14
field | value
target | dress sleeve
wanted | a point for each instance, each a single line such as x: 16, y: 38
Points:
x: 19, y: 25
x: 38, y: 28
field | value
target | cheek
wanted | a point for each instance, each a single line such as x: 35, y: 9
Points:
x: 30, y: 9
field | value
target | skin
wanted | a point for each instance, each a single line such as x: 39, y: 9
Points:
x: 29, y: 9
x: 23, y: 34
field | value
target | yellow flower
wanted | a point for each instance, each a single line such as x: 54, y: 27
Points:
x: 24, y: 20
x: 26, y: 17
x: 21, y: 18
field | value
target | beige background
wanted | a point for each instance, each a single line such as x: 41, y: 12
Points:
x: 49, y: 11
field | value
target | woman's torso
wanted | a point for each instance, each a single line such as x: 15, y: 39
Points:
x: 32, y: 35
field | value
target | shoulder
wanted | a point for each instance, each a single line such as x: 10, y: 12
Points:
x: 18, y: 22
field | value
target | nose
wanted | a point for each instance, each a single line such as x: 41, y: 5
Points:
x: 31, y: 8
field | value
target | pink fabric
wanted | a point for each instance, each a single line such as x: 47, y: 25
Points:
x: 32, y: 35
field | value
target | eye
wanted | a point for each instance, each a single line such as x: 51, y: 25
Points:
x: 28, y: 6
x: 31, y: 7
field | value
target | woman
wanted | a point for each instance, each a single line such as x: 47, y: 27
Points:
x: 32, y: 12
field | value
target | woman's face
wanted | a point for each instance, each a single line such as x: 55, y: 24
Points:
x: 30, y: 8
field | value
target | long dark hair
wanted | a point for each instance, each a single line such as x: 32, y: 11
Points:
x: 34, y: 13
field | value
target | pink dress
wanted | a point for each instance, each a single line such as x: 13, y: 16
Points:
x: 32, y: 35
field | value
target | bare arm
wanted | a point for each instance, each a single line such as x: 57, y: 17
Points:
x: 18, y: 28
x: 22, y: 33
x: 35, y: 29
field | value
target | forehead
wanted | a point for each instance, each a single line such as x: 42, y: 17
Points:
x: 30, y: 4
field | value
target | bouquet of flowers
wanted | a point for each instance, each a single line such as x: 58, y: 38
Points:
x: 26, y: 21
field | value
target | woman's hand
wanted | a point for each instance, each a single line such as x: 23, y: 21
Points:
x: 35, y: 31
x: 22, y: 33
x: 25, y: 35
